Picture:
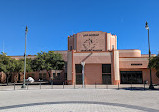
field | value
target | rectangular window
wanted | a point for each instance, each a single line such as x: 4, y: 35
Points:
x: 106, y: 78
x: 136, y: 64
x: 128, y: 77
x: 40, y: 76
x: 44, y: 76
x: 78, y: 68
x: 70, y: 47
x: 106, y: 73
x: 112, y: 46
x: 106, y: 68
x: 65, y: 77
x: 56, y: 76
x: 78, y: 78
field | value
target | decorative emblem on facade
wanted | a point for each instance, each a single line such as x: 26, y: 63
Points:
x: 89, y: 44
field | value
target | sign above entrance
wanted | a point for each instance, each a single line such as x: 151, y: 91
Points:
x: 90, y: 35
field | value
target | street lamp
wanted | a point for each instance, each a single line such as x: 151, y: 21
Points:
x: 26, y: 31
x: 147, y: 28
x: 83, y: 64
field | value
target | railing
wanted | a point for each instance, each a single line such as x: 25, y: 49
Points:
x: 41, y: 85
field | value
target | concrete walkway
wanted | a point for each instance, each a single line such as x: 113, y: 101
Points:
x: 79, y: 100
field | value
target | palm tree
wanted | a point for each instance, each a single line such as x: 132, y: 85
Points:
x: 154, y: 63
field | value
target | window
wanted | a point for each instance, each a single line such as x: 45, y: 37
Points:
x: 136, y: 64
x: 112, y: 46
x: 70, y: 47
x: 106, y: 68
x: 78, y: 73
x: 42, y: 76
x: 78, y: 68
x: 65, y: 77
x: 106, y: 73
x: 56, y: 77
x: 128, y: 77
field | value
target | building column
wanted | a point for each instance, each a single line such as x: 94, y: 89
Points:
x: 116, y: 73
x: 70, y: 68
x: 108, y: 42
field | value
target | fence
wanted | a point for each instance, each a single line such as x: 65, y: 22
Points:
x: 40, y: 85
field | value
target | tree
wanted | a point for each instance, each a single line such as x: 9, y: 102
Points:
x: 154, y: 63
x: 7, y: 65
x: 11, y: 66
x: 20, y: 66
x: 48, y: 61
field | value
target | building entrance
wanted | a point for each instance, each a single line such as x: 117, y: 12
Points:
x: 128, y: 77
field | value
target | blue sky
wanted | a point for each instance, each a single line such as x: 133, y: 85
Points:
x: 51, y: 21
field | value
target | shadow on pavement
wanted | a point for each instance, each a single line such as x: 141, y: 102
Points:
x: 83, y: 102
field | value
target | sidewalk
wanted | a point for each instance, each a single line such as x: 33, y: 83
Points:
x: 79, y: 100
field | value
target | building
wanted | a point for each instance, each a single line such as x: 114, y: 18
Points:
x: 104, y: 63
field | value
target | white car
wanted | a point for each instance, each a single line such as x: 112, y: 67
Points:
x: 30, y: 79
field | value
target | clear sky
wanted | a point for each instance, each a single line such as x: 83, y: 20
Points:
x: 51, y: 21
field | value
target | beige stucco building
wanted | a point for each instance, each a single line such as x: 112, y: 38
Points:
x: 104, y: 63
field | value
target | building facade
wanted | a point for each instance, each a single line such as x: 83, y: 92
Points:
x: 104, y: 63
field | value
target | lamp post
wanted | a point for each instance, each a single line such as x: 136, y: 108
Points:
x: 26, y: 31
x: 147, y: 28
x: 83, y: 64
